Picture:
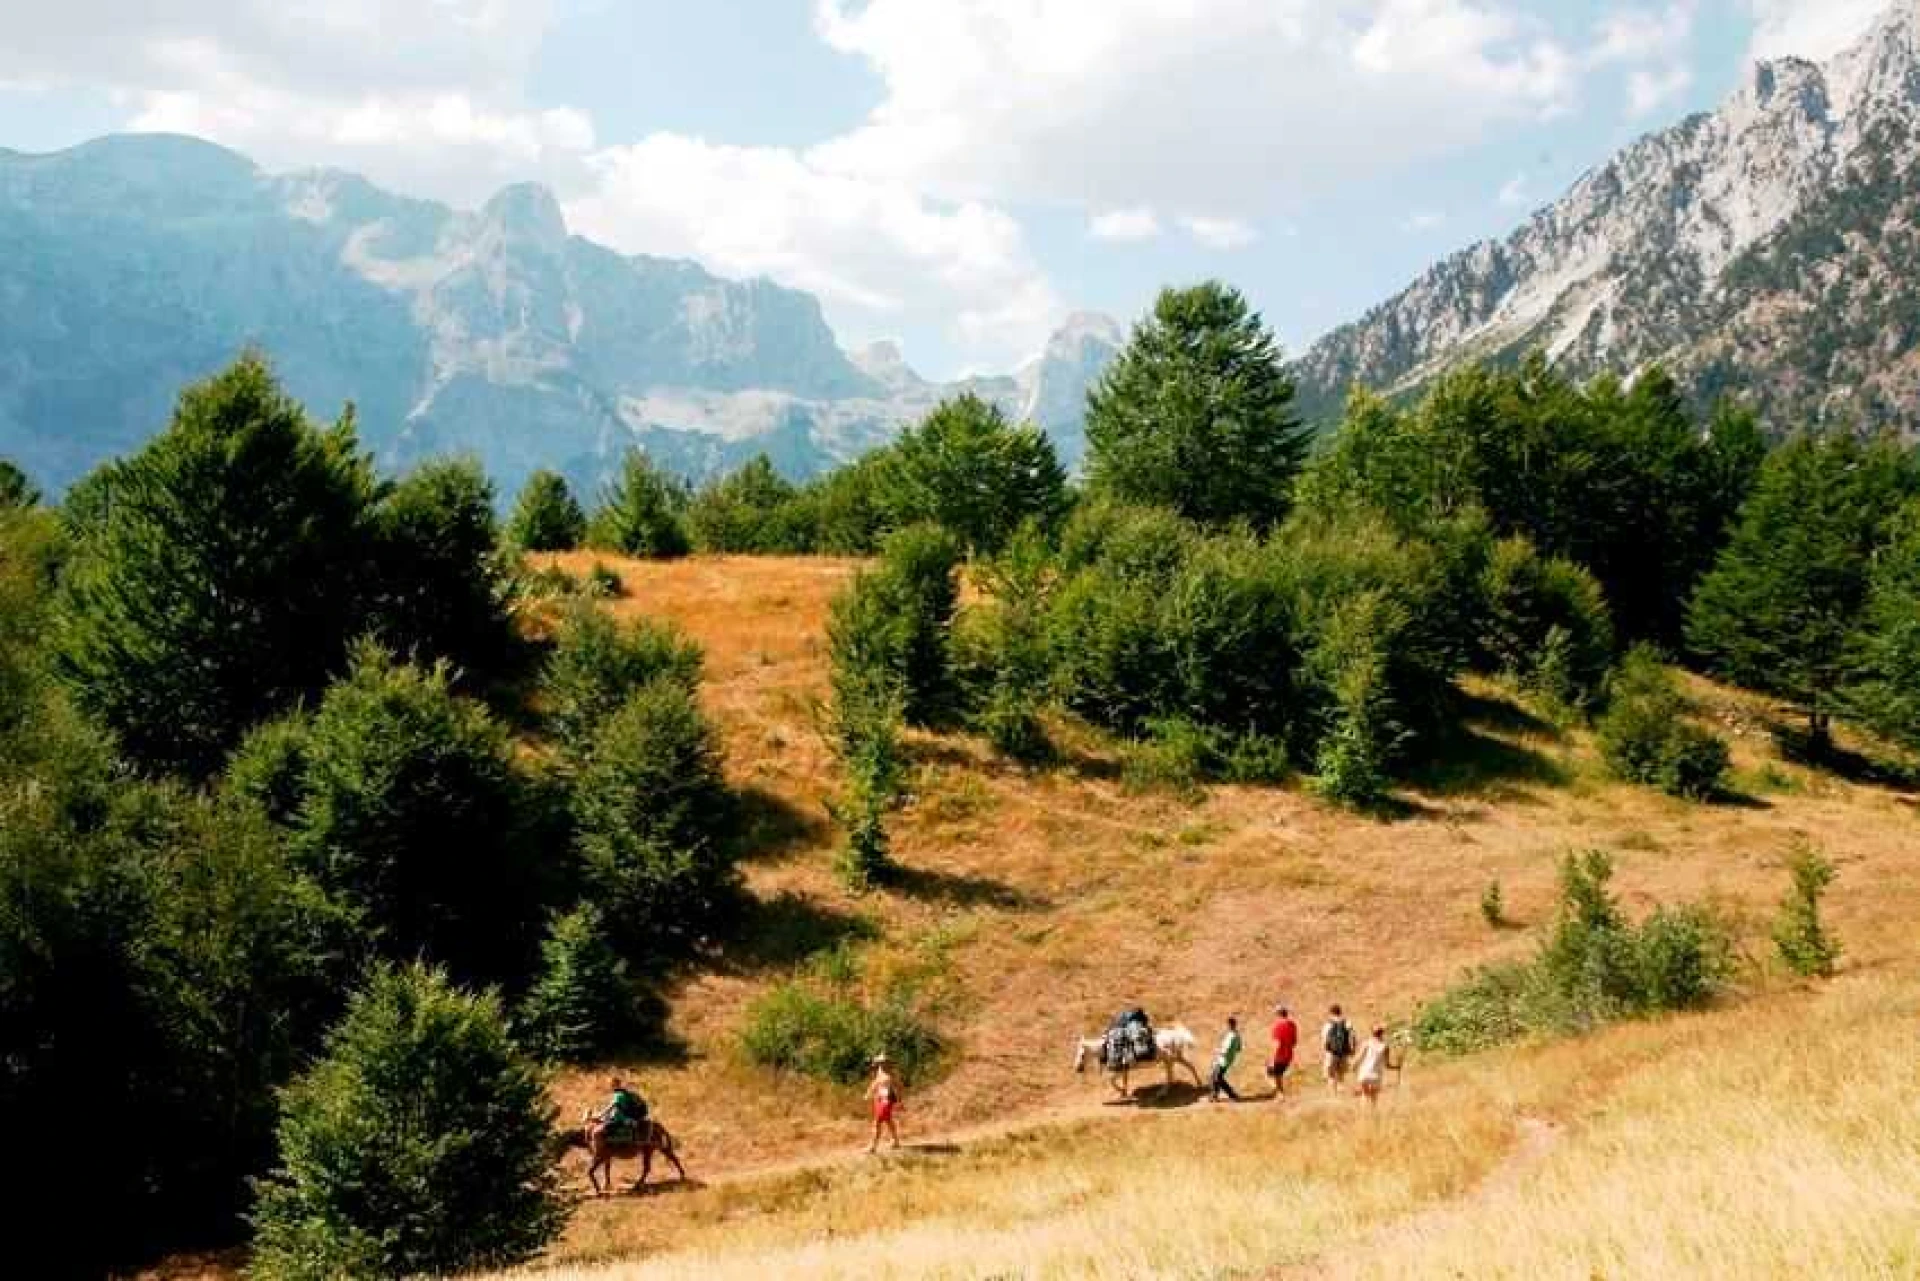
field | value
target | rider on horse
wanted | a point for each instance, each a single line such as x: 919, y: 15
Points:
x: 620, y: 1120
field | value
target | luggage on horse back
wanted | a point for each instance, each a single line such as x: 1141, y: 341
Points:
x: 625, y: 1114
x: 1130, y: 1039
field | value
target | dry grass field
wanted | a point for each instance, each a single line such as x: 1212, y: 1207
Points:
x: 1775, y: 1135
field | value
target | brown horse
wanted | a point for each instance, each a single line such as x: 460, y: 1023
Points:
x: 651, y: 1137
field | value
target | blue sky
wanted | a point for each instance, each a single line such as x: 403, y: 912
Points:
x: 956, y: 174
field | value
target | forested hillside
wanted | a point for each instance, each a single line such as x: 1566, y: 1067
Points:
x: 343, y: 827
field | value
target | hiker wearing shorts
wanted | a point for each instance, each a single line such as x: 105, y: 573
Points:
x: 1376, y: 1056
x: 884, y: 1093
x: 1223, y: 1061
x: 1336, y: 1038
x: 1286, y: 1035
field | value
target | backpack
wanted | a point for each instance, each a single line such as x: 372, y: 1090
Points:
x: 1340, y: 1039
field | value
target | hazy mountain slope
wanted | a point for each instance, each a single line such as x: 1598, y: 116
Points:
x: 1762, y: 248
x: 132, y: 265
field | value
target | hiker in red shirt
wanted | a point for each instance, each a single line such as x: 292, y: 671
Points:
x: 1286, y: 1034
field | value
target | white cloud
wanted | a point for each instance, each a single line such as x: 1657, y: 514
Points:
x: 1514, y: 192
x: 1814, y: 29
x: 875, y: 251
x: 1124, y: 225
x: 1648, y: 91
x: 1643, y: 35
x: 1241, y: 107
x: 1220, y: 233
x: 1423, y: 220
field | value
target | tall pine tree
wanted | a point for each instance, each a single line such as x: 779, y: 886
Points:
x: 1197, y: 413
x: 1780, y: 609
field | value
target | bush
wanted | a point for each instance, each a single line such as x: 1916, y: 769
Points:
x: 1354, y: 759
x: 1493, y: 904
x: 1645, y: 736
x: 866, y: 739
x: 1595, y: 966
x: 1001, y: 651
x: 418, y: 1145
x: 640, y: 512
x: 438, y: 592
x: 15, y: 489
x: 1174, y: 756
x: 1799, y: 935
x: 602, y: 583
x: 546, y: 517
x: 896, y: 623
x: 269, y: 768
x: 819, y: 1025
x: 584, y: 1002
x: 596, y: 663
x: 652, y: 815
x: 754, y: 509
x: 1545, y: 623
x: 410, y: 813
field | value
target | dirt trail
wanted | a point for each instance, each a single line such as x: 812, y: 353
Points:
x: 1401, y: 1237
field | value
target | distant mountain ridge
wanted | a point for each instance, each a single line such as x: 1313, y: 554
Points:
x: 1768, y: 249
x: 135, y: 264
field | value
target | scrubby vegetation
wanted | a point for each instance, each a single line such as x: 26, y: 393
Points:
x: 1595, y: 966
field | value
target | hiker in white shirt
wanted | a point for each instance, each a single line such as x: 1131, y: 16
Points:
x: 1376, y: 1056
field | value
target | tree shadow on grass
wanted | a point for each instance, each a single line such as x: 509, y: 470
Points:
x: 1467, y: 762
x: 768, y: 825
x: 1798, y: 745
x: 960, y: 889
x: 782, y: 931
x: 1501, y: 716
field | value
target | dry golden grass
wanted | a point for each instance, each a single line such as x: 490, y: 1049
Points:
x: 1061, y: 897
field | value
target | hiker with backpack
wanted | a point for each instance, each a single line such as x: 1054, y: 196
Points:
x: 1286, y: 1035
x: 1336, y: 1038
x: 620, y: 1120
x: 1223, y: 1060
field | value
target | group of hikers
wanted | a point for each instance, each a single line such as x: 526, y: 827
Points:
x: 624, y: 1118
x: 1368, y: 1062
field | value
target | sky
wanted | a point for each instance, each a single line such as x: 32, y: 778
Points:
x: 956, y: 175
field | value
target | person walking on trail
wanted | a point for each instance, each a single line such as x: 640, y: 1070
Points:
x: 1223, y: 1059
x: 1336, y: 1038
x: 1286, y: 1035
x: 884, y: 1093
x: 1376, y: 1056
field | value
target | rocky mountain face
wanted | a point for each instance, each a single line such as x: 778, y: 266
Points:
x: 133, y: 265
x: 1766, y: 249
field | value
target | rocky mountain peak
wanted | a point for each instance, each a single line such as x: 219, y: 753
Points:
x: 1652, y: 255
x: 527, y: 212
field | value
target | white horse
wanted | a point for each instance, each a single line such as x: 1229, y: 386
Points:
x: 1171, y: 1044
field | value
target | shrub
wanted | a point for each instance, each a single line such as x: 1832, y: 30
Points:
x: 1799, y: 934
x: 1646, y: 738
x: 546, y: 517
x: 1353, y: 762
x: 596, y: 663
x: 437, y: 591
x: 269, y: 768
x: 866, y: 738
x: 819, y: 1025
x: 896, y: 623
x: 584, y: 1002
x: 1545, y: 623
x: 652, y: 815
x: 15, y: 489
x: 754, y: 509
x: 1174, y: 756
x: 418, y: 1145
x: 602, y: 583
x: 640, y: 512
x: 1493, y: 904
x: 410, y: 812
x: 1593, y: 967
x: 1001, y: 650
